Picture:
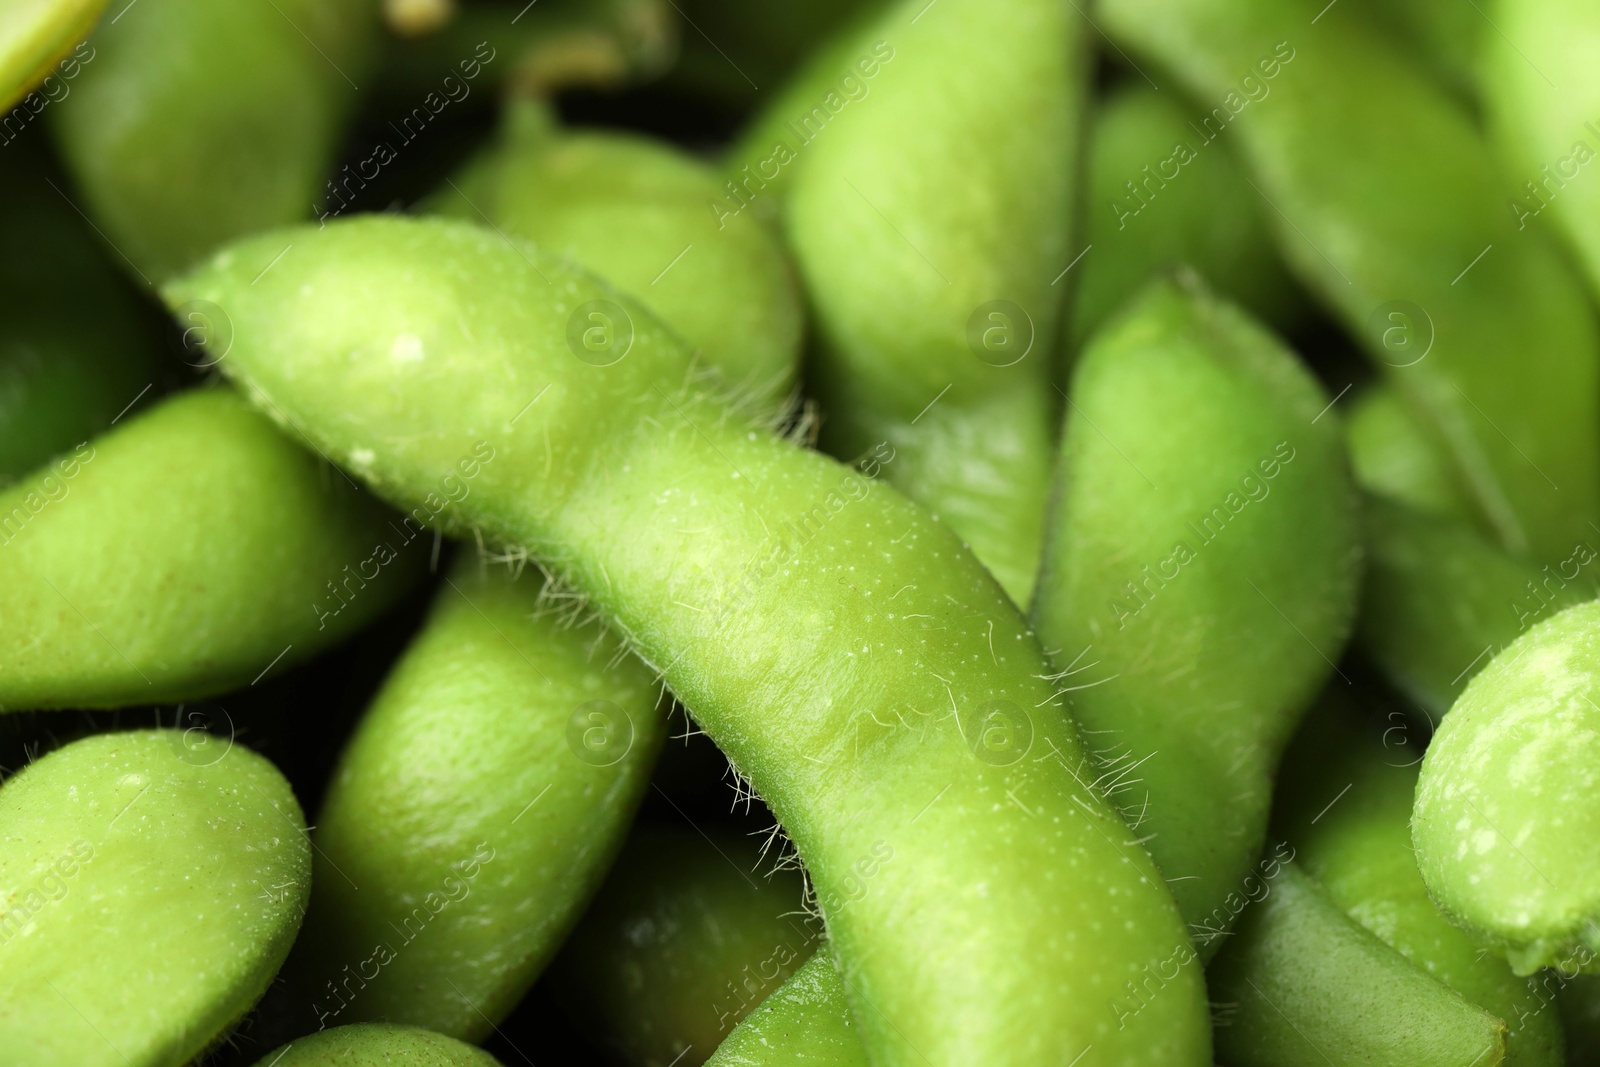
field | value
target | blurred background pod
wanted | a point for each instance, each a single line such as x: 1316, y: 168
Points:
x: 34, y: 36
x: 77, y: 345
x: 936, y: 316
x: 1200, y: 576
x: 474, y: 811
x: 197, y: 122
x: 634, y: 210
x: 685, y: 939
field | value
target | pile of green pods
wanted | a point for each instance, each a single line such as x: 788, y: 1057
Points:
x: 914, y: 533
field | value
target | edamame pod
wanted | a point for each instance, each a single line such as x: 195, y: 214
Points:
x: 152, y: 887
x: 34, y: 34
x: 185, y: 553
x: 937, y: 312
x: 1392, y: 456
x: 1347, y: 809
x: 74, y: 342
x: 1548, y: 134
x: 1160, y: 194
x: 1300, y: 982
x: 806, y: 1023
x: 474, y: 812
x: 1505, y: 826
x: 198, y: 121
x: 1412, y: 248
x: 1200, y: 576
x: 685, y: 938
x: 1440, y: 600
x: 851, y: 658
x: 377, y: 1045
x: 634, y: 211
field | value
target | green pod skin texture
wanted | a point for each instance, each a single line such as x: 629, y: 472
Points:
x: 633, y: 210
x: 73, y: 342
x: 1200, y: 576
x: 378, y: 1045
x: 1505, y: 825
x: 1346, y: 806
x: 197, y: 122
x: 1440, y: 600
x: 684, y: 939
x: 475, y: 810
x: 1510, y: 384
x: 33, y: 35
x: 1548, y: 136
x: 178, y: 555
x: 1192, y: 206
x: 152, y: 889
x: 805, y: 1023
x: 1301, y: 982
x: 928, y: 219
x: 1393, y: 456
x: 838, y: 644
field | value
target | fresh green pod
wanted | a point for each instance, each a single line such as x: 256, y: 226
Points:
x: 817, y: 625
x: 936, y: 312
x: 152, y: 887
x: 1200, y: 576
x: 1301, y: 982
x: 1440, y: 600
x: 805, y: 1023
x: 1394, y: 457
x: 197, y: 122
x: 1412, y: 249
x: 1443, y: 36
x: 75, y: 349
x: 685, y: 938
x: 1161, y: 192
x: 633, y: 210
x: 474, y: 812
x: 377, y: 1045
x: 34, y: 34
x: 182, y: 554
x: 1347, y: 809
x: 1505, y: 826
x: 1549, y: 136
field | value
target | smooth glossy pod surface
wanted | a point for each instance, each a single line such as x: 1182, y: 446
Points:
x: 152, y: 883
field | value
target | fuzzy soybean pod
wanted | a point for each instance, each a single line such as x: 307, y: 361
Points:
x: 377, y: 1045
x: 633, y: 210
x: 805, y: 1023
x: 929, y: 215
x: 1200, y: 576
x: 686, y: 937
x: 182, y: 554
x: 475, y: 811
x: 34, y: 35
x: 1506, y: 826
x: 1301, y: 982
x: 1394, y: 457
x: 196, y: 122
x: 1440, y: 600
x: 1413, y: 249
x: 838, y: 644
x: 1550, y: 137
x: 152, y: 883
x: 1347, y: 809
x: 1160, y: 194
